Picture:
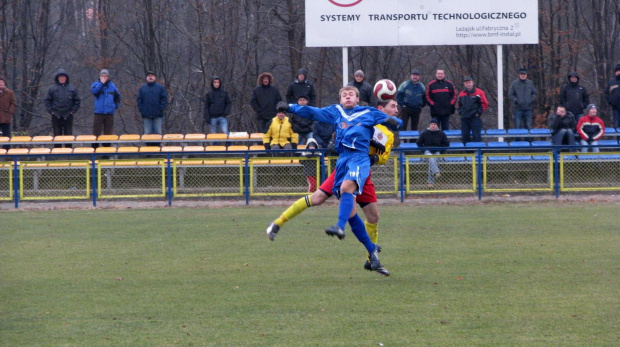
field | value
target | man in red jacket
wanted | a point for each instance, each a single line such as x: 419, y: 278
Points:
x: 441, y: 97
x: 471, y: 105
x: 590, y: 128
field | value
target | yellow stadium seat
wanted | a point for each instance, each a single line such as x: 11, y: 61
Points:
x: 217, y: 137
x: 86, y: 138
x: 105, y: 150
x: 64, y: 138
x: 21, y: 139
x: 257, y: 148
x: 301, y: 146
x: 40, y: 151
x: 14, y: 151
x: 61, y: 150
x: 129, y: 137
x: 260, y: 162
x: 256, y: 136
x: 280, y: 161
x: 144, y: 149
x: 215, y: 148
x: 173, y: 136
x: 151, y: 137
x: 193, y: 149
x: 195, y: 137
x: 4, y: 139
x: 84, y: 150
x: 215, y: 162
x: 191, y: 162
x: 238, y: 135
x: 107, y: 138
x: 172, y: 149
x: 45, y: 138
x: 2, y: 151
x: 237, y: 148
x: 127, y: 149
x: 35, y: 165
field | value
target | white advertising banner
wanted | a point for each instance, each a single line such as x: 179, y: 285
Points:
x: 348, y: 23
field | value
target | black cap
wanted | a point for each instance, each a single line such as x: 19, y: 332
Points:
x: 150, y: 73
x: 434, y: 120
x: 415, y: 72
x: 467, y: 78
x: 522, y: 70
x: 617, y: 68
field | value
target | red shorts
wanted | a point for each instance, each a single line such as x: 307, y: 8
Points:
x: 368, y: 192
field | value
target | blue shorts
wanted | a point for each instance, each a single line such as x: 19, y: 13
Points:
x: 351, y: 166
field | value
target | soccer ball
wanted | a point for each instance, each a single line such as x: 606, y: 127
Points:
x: 385, y: 90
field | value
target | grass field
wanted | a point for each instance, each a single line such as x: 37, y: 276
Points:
x: 497, y: 275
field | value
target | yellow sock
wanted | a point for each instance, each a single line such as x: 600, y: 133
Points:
x: 296, y: 208
x: 372, y: 231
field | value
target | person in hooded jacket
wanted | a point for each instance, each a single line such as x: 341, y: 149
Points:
x: 280, y: 134
x: 301, y: 87
x: 62, y: 102
x: 107, y: 100
x: 612, y: 94
x: 265, y: 97
x: 590, y: 128
x: 302, y: 126
x: 574, y: 96
x: 217, y: 107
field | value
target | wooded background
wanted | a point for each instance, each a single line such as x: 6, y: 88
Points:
x: 186, y: 42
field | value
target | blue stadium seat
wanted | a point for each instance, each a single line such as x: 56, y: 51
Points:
x: 520, y: 157
x: 498, y: 158
x: 454, y: 159
x: 409, y: 146
x: 415, y: 160
x: 589, y: 157
x: 610, y: 156
x: 452, y: 132
x: 569, y: 157
x: 541, y: 143
x: 610, y: 131
x: 520, y: 144
x: 456, y: 145
x: 496, y: 132
x: 608, y: 142
x: 409, y: 134
x: 497, y: 144
x: 542, y: 157
x: 518, y: 132
x: 540, y: 132
x: 476, y: 144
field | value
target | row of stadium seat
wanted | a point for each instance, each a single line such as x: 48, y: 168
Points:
x: 132, y: 149
x: 542, y: 132
x: 130, y: 138
x: 520, y: 144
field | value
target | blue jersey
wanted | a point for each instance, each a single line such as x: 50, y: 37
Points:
x: 354, y: 127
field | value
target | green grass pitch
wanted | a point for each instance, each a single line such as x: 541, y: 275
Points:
x: 542, y: 274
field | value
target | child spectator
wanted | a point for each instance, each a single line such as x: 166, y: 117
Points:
x: 310, y: 165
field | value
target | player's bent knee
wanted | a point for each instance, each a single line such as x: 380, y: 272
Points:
x: 318, y: 197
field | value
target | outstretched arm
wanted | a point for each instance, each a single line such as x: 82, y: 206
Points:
x: 325, y: 115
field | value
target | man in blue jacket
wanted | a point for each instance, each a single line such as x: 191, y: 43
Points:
x: 107, y: 100
x: 152, y: 100
x: 411, y: 98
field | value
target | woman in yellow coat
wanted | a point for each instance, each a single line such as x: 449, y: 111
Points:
x: 280, y: 134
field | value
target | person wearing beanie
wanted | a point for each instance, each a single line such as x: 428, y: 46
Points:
x: 367, y: 97
x: 411, y: 99
x: 217, y: 107
x: 310, y: 165
x: 574, y: 96
x: 62, y: 103
x: 301, y: 87
x: 8, y: 104
x: 590, y: 128
x: 431, y: 141
x: 612, y: 94
x: 523, y: 94
x: 471, y: 105
x: 107, y: 100
x: 152, y: 101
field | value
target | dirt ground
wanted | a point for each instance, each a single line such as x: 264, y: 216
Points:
x: 285, y: 201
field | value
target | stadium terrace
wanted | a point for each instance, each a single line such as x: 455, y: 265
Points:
x: 485, y: 15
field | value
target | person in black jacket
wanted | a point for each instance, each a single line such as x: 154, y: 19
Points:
x: 574, y: 96
x: 217, y: 107
x: 323, y: 133
x: 562, y: 126
x: 265, y: 97
x: 62, y: 102
x: 365, y: 89
x: 433, y: 138
x: 301, y: 87
x: 302, y: 126
x: 441, y: 97
x: 612, y: 95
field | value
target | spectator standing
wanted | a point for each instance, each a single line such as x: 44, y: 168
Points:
x: 217, y: 107
x: 365, y: 89
x: 302, y: 126
x: 107, y: 100
x: 522, y: 92
x: 62, y: 102
x: 301, y: 87
x: 574, y: 96
x: 471, y: 105
x: 612, y: 94
x: 280, y: 133
x: 441, y: 97
x: 152, y: 100
x: 433, y: 138
x: 7, y: 108
x: 411, y: 98
x: 562, y: 125
x: 265, y: 97
x: 590, y: 128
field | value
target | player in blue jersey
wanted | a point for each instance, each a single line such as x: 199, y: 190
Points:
x: 354, y: 130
